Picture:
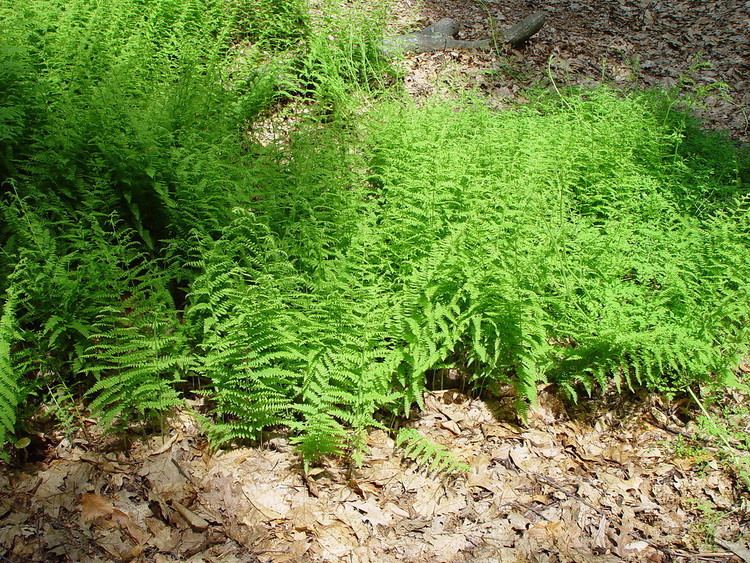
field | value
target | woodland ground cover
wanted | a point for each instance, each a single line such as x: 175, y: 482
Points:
x: 152, y: 252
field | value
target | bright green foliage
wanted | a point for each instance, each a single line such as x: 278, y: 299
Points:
x: 578, y: 243
x: 137, y: 354
x: 428, y: 454
x: 9, y: 391
x: 585, y: 241
x: 243, y: 341
x: 344, y: 57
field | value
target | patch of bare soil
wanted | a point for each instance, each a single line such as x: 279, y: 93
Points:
x: 598, y: 487
x: 626, y: 43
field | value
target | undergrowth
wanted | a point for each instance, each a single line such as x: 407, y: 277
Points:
x: 584, y: 242
x: 151, y: 250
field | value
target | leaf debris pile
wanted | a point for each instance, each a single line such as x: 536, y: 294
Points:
x: 560, y: 489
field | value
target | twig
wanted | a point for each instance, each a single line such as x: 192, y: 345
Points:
x: 738, y: 549
x: 554, y: 85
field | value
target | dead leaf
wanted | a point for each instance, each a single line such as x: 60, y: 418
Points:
x: 162, y: 537
x: 500, y: 430
x: 617, y: 454
x: 448, y: 546
x: 94, y: 507
x: 165, y: 478
x: 522, y: 458
x: 266, y: 501
x: 195, y: 521
x: 166, y: 444
x: 451, y: 426
x: 119, y: 548
x: 372, y: 512
x: 737, y: 548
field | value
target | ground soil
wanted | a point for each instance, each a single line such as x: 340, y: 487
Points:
x: 705, y: 46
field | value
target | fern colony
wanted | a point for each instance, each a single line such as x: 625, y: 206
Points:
x: 151, y: 250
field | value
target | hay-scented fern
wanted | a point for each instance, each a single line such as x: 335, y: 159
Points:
x: 138, y: 354
x: 428, y: 454
x: 558, y: 242
x: 592, y: 242
x: 132, y: 96
x: 122, y: 132
x: 9, y: 387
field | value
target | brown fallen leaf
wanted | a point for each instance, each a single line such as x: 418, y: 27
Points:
x: 500, y: 430
x: 372, y: 512
x: 448, y: 546
x: 617, y: 454
x: 118, y: 547
x: 164, y: 477
x: 451, y: 426
x: 269, y: 504
x: 166, y: 444
x: 737, y: 548
x: 522, y: 458
x: 94, y: 507
x: 162, y: 536
x: 195, y: 521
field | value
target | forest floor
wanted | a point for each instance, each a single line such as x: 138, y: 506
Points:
x: 622, y: 478
x: 703, y: 46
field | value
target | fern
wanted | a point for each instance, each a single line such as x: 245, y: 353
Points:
x: 428, y: 454
x: 592, y: 241
x: 468, y: 244
x: 137, y: 356
x: 9, y: 388
x: 245, y: 351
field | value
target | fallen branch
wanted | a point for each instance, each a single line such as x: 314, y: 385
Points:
x: 737, y: 548
x: 442, y: 35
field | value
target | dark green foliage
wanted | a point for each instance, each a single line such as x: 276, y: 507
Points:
x: 93, y: 303
x: 121, y: 148
x: 137, y: 353
x: 278, y: 24
x: 129, y: 95
x: 15, y: 86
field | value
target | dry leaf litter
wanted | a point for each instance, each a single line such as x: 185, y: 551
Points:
x: 586, y: 488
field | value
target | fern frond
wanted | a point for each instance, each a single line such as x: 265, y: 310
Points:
x: 9, y: 390
x: 428, y: 454
x: 138, y: 356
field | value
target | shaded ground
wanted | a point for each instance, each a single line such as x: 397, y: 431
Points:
x: 616, y: 481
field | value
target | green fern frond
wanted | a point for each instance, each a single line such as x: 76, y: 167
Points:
x: 9, y: 391
x: 428, y: 454
x: 138, y: 356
